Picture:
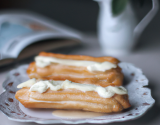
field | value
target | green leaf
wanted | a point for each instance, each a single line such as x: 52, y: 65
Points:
x: 118, y: 6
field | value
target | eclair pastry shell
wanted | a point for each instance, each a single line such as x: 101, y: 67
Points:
x: 72, y: 99
x: 54, y: 71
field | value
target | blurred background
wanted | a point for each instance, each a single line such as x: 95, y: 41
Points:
x: 79, y: 14
x: 83, y: 14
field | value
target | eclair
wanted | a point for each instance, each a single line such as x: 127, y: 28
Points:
x: 70, y: 95
x: 102, y: 71
x: 79, y: 82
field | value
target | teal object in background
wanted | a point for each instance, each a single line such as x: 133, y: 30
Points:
x: 11, y: 30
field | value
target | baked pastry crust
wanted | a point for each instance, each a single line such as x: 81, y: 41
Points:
x: 72, y: 99
x: 54, y: 71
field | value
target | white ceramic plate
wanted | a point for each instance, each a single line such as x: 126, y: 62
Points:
x: 139, y: 97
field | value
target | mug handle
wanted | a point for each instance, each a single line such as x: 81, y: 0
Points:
x: 145, y: 21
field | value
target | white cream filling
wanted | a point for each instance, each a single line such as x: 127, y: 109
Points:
x: 33, y: 100
x: 28, y: 83
x: 42, y: 86
x: 43, y: 61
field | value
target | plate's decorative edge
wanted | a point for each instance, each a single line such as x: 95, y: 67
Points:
x: 8, y: 75
x: 77, y: 121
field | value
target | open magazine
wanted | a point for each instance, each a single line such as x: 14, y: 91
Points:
x: 18, y: 30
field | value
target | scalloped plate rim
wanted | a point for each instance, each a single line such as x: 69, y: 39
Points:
x: 79, y: 121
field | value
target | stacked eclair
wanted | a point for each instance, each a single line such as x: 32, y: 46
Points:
x: 74, y: 82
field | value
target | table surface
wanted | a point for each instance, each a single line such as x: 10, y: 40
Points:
x: 146, y: 56
x: 147, y: 60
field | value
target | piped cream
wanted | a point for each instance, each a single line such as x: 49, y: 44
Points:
x: 43, y: 61
x: 105, y: 92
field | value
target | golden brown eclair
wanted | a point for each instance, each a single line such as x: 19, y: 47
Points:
x: 72, y: 99
x: 112, y: 77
